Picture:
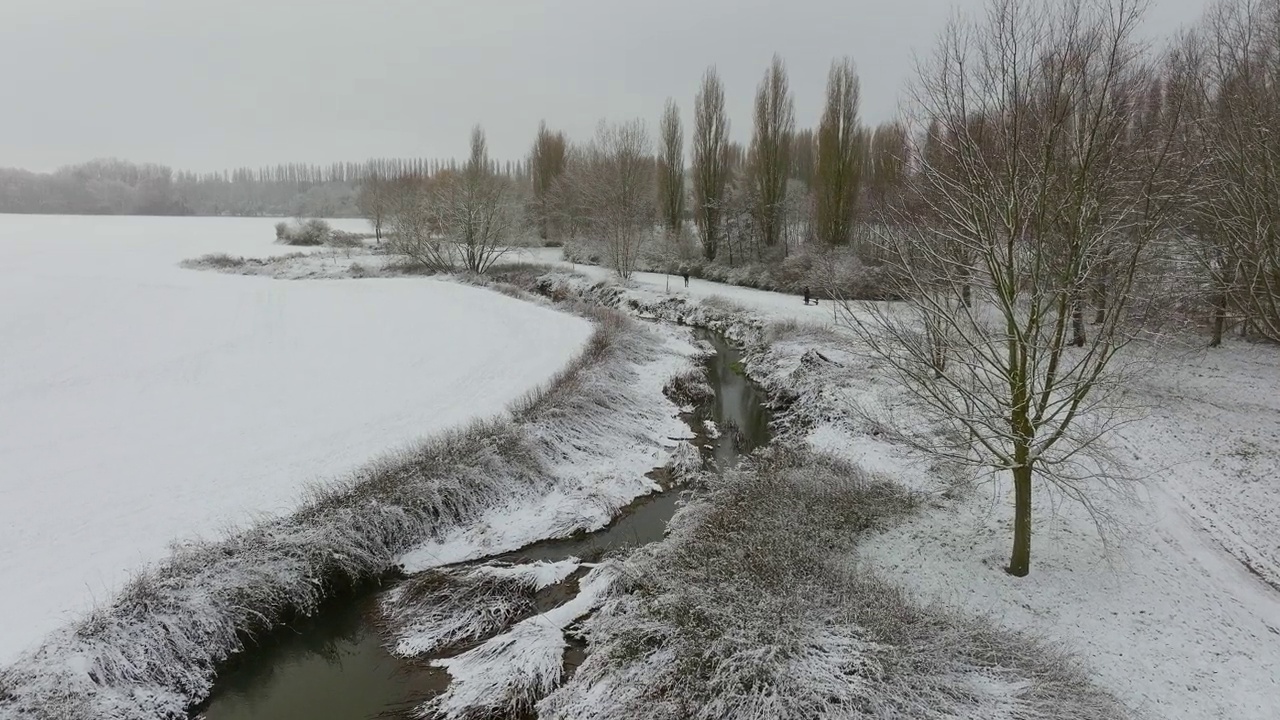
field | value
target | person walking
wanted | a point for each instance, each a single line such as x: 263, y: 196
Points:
x: 806, y: 295
x: 686, y: 278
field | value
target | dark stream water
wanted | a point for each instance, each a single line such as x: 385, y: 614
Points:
x: 333, y: 666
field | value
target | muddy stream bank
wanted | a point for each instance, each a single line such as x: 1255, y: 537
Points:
x: 335, y: 665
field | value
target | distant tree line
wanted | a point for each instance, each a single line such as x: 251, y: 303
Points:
x: 118, y: 187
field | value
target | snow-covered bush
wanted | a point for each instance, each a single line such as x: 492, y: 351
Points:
x: 220, y: 261
x: 306, y: 233
x: 444, y: 608
x: 585, y: 252
x: 690, y: 389
x: 343, y: 239
x: 506, y: 675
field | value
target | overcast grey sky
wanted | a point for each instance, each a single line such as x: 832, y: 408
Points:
x: 212, y: 84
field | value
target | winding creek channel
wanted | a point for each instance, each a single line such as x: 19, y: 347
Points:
x: 335, y: 665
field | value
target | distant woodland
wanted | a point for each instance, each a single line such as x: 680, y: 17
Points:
x: 118, y: 187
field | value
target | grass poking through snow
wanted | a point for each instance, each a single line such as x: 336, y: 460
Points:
x: 753, y: 610
x: 440, y: 609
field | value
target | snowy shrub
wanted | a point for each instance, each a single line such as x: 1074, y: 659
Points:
x: 690, y: 389
x: 343, y: 239
x: 583, y: 251
x: 754, y: 609
x: 440, y: 609
x: 406, y: 266
x: 307, y: 233
x: 219, y: 261
x: 506, y: 676
x: 519, y: 274
x: 722, y: 303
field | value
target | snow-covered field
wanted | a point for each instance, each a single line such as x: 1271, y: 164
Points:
x: 141, y: 403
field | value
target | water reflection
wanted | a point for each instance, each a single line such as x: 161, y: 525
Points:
x: 330, y: 666
x: 739, y: 409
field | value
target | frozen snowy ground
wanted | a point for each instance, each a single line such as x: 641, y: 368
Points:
x: 141, y: 403
x: 1170, y: 619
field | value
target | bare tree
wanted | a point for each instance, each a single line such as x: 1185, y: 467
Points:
x: 804, y: 156
x: 566, y: 202
x: 476, y: 209
x: 414, y: 227
x: 615, y: 187
x: 838, y: 175
x: 671, y: 170
x: 547, y: 163
x: 374, y: 202
x: 710, y: 161
x: 1242, y: 139
x: 1041, y: 177
x: 770, y: 154
x: 738, y: 211
x: 885, y: 169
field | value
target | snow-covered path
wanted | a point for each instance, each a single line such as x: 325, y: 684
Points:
x: 779, y: 306
x: 141, y: 403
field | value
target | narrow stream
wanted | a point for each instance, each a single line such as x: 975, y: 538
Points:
x: 333, y: 666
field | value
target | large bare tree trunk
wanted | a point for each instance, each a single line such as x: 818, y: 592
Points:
x: 1020, y: 562
x: 1077, y: 316
x: 1077, y: 322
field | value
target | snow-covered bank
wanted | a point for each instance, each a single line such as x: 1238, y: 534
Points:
x: 142, y: 404
x: 1168, y: 620
x: 601, y: 437
x: 154, y: 650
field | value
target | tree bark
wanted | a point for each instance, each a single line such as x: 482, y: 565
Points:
x: 1219, y: 319
x: 1020, y: 563
x: 1077, y: 321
